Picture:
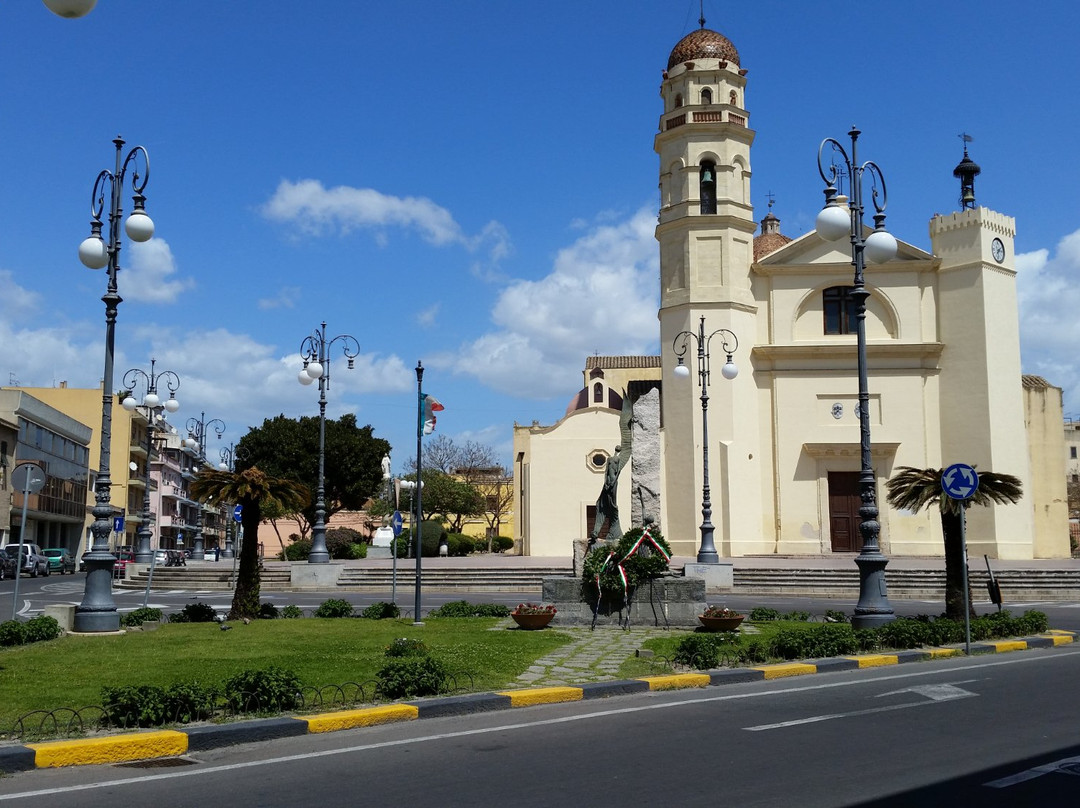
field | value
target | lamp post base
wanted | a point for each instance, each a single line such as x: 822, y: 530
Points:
x: 97, y: 612
x: 873, y: 609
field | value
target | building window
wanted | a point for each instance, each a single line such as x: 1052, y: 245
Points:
x: 706, y: 96
x: 840, y: 310
x: 707, y: 183
x: 1072, y: 452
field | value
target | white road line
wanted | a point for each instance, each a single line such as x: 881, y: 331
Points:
x: 1068, y: 764
x: 517, y: 726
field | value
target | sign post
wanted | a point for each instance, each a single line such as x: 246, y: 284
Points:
x: 30, y: 478
x: 960, y: 482
x: 396, y: 523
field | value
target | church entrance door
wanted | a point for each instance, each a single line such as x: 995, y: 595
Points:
x: 844, y: 519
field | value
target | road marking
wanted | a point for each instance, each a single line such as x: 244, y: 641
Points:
x: 1065, y: 766
x: 934, y: 693
x: 695, y: 700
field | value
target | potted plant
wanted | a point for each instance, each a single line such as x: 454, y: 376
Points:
x: 531, y: 616
x: 720, y: 618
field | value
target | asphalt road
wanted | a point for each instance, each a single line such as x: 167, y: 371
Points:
x: 36, y: 593
x: 988, y: 731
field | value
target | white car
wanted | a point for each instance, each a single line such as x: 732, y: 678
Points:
x: 161, y: 558
x: 208, y: 555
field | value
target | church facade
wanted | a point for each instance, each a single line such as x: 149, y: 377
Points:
x: 943, y: 356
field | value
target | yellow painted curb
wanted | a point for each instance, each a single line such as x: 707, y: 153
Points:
x: 367, y: 717
x: 1007, y: 645
x: 677, y: 681
x: 786, y: 669
x: 543, y: 695
x: 1062, y: 639
x: 874, y: 660
x: 112, y: 749
x: 941, y: 652
x: 1061, y: 632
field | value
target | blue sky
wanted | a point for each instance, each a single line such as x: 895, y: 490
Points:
x: 472, y: 184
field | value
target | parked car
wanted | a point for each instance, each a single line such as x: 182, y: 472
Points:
x: 161, y: 558
x: 7, y: 565
x: 123, y: 558
x: 33, y: 563
x: 60, y: 560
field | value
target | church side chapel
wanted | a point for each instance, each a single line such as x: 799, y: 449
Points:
x: 942, y: 353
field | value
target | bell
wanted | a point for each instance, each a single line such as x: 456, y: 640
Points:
x: 968, y: 198
x: 707, y: 176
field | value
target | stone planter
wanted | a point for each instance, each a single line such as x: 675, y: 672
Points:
x: 721, y: 623
x: 531, y: 622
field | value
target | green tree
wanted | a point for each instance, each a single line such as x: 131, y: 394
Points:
x: 449, y: 499
x: 252, y: 490
x: 914, y: 489
x: 289, y: 448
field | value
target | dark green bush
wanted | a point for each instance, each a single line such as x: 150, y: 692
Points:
x: 760, y: 614
x: 41, y: 628
x: 134, y: 705
x: 268, y: 611
x: 825, y: 640
x: 411, y: 677
x: 834, y: 616
x: 190, y: 701
x: 334, y: 607
x: 501, y: 544
x: 137, y: 617
x: 265, y: 690
x: 704, y: 650
x: 796, y: 616
x: 344, y: 542
x: 406, y: 647
x: 291, y: 612
x: 432, y: 533
x: 458, y: 544
x: 381, y: 611
x: 12, y: 633
x: 298, y: 550
x: 462, y: 608
x: 197, y: 612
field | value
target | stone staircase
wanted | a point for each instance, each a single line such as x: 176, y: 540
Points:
x: 273, y: 579
x: 490, y: 579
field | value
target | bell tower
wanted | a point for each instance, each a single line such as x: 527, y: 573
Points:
x: 705, y: 232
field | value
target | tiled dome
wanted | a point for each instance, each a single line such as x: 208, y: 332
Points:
x: 703, y: 44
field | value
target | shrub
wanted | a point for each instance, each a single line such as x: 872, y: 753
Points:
x: 412, y: 676
x: 826, y: 640
x: 299, y: 550
x: 760, y: 614
x: 134, y: 705
x: 268, y: 611
x: 381, y: 611
x: 357, y: 551
x: 404, y: 647
x: 267, y: 690
x: 334, y: 607
x: 12, y: 633
x: 797, y: 616
x: 703, y: 650
x: 190, y: 701
x: 501, y: 544
x: 291, y: 612
x: 462, y: 608
x: 834, y: 616
x: 197, y: 612
x: 341, y: 541
x: 137, y: 617
x: 41, y: 628
x: 458, y: 544
x: 431, y: 533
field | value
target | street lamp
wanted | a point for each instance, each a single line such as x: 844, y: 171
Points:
x: 729, y: 343
x: 70, y: 8
x: 144, y: 553
x: 196, y: 441
x: 315, y: 351
x: 97, y: 612
x: 229, y: 456
x: 833, y: 223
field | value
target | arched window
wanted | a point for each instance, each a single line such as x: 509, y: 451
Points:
x: 706, y: 96
x: 707, y: 185
x: 598, y: 393
x: 840, y: 310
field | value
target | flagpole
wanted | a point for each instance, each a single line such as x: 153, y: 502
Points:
x: 418, y: 533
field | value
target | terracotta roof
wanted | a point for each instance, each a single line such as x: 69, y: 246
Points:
x: 703, y: 44
x: 1034, y: 382
x: 767, y: 243
x: 616, y: 362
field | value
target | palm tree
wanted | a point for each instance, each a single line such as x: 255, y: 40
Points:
x: 914, y: 489
x: 252, y: 490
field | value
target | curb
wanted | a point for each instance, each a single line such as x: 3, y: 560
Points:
x: 171, y: 743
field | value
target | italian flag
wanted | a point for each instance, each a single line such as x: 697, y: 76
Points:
x: 428, y: 407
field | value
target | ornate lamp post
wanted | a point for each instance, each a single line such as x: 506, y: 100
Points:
x: 315, y: 351
x: 729, y: 343
x: 833, y: 223
x: 144, y: 553
x: 97, y: 612
x: 229, y: 457
x: 196, y: 440
x: 70, y: 8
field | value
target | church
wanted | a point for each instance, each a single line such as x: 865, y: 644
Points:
x: 783, y: 435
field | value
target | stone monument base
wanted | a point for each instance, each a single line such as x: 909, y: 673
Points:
x: 664, y: 601
x: 717, y: 577
x: 303, y: 575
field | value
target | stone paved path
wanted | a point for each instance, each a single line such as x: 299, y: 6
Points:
x: 592, y: 656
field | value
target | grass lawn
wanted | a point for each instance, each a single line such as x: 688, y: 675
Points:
x: 70, y: 671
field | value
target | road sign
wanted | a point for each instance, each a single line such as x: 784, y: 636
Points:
x: 959, y: 481
x: 28, y: 477
x: 118, y: 524
x: 237, y: 512
x: 396, y: 523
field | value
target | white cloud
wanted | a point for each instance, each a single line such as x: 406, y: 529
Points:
x: 601, y: 296
x: 17, y: 304
x: 428, y: 316
x: 284, y: 299
x: 1049, y: 328
x: 147, y: 280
